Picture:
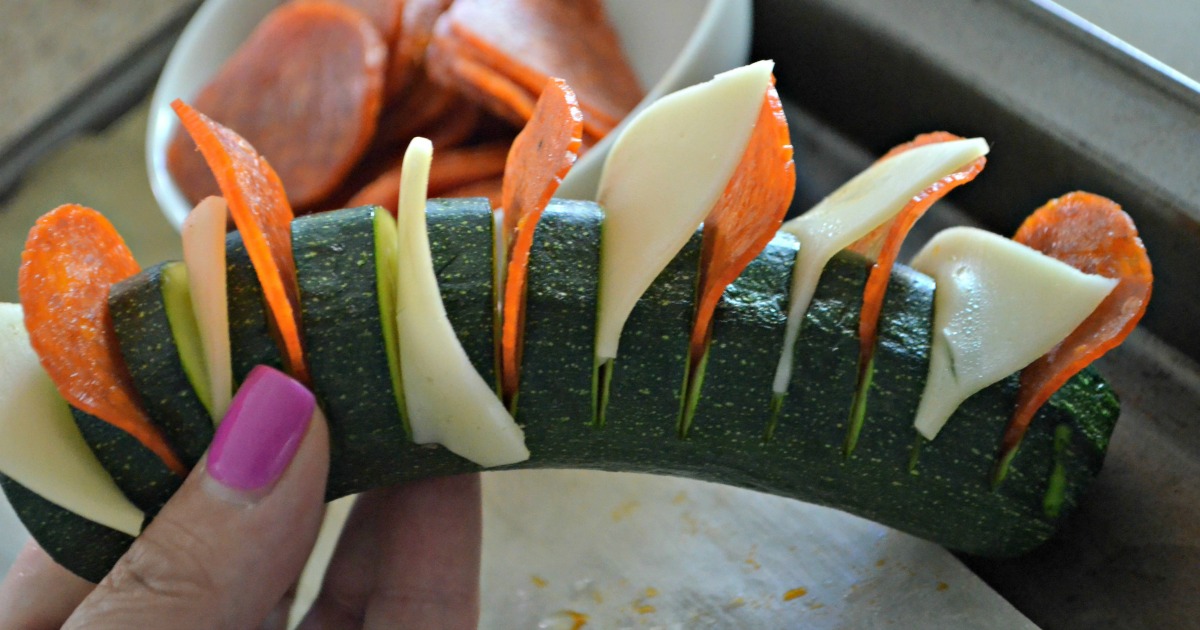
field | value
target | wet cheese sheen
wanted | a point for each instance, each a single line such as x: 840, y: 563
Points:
x: 999, y: 305
x: 663, y: 176
x: 42, y: 448
x: 869, y: 200
x: 448, y: 402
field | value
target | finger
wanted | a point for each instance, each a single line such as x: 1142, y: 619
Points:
x: 409, y: 559
x: 228, y: 545
x: 38, y: 593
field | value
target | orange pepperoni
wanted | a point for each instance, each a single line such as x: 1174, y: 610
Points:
x: 490, y: 188
x: 449, y: 171
x: 306, y: 89
x: 540, y: 157
x: 528, y: 41
x: 883, y: 243
x: 72, y: 256
x: 260, y: 210
x: 404, y: 118
x: 408, y: 52
x: 1092, y: 234
x: 499, y: 94
x: 456, y: 126
x: 747, y: 215
x: 385, y: 15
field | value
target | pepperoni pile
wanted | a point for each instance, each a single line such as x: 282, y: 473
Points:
x: 333, y: 91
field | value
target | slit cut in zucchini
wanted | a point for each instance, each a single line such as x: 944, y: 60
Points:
x: 945, y: 496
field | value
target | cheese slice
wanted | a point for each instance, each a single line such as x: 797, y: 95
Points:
x: 448, y: 402
x: 204, y: 257
x: 869, y: 200
x: 42, y: 448
x: 663, y: 176
x: 999, y: 305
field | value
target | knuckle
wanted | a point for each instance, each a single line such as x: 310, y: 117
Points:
x: 174, y: 562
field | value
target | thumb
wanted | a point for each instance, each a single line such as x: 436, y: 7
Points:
x: 234, y: 538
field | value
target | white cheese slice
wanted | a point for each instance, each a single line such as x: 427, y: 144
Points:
x: 999, y: 305
x: 869, y: 200
x: 42, y: 448
x: 449, y: 403
x: 663, y: 176
x: 204, y: 257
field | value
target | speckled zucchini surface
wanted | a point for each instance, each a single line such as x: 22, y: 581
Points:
x: 148, y: 346
x: 939, y: 490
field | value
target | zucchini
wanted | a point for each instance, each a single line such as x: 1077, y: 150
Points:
x: 939, y: 490
x: 554, y: 404
x: 343, y: 329
x: 646, y: 381
x: 147, y: 340
x: 461, y: 243
x: 85, y: 548
x: 739, y: 365
x: 251, y: 341
x: 142, y: 477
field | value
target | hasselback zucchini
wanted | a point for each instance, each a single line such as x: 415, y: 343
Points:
x: 940, y: 490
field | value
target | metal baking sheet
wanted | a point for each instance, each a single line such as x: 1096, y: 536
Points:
x: 1065, y: 108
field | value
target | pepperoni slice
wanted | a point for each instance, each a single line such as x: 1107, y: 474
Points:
x: 747, y: 215
x: 408, y: 51
x: 72, y: 256
x: 306, y: 89
x: 260, y: 210
x: 540, y: 157
x: 385, y: 15
x: 490, y: 188
x: 499, y: 94
x: 1092, y: 234
x: 527, y: 41
x: 883, y: 243
x: 449, y: 171
x: 426, y: 103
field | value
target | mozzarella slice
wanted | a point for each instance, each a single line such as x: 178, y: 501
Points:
x: 42, y: 448
x: 448, y: 402
x: 663, y: 176
x: 869, y: 200
x: 204, y: 257
x: 999, y: 305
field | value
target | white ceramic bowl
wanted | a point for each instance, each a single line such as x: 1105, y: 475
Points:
x: 671, y: 43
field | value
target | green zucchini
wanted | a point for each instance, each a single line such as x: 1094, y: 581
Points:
x: 646, y: 381
x: 251, y: 341
x: 343, y: 329
x: 87, y: 549
x: 461, y: 243
x: 554, y: 403
x: 739, y: 366
x: 148, y: 345
x: 142, y: 477
x: 939, y: 490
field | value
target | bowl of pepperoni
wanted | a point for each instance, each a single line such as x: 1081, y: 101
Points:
x: 331, y: 91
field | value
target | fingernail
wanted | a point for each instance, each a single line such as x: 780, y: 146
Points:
x: 261, y: 431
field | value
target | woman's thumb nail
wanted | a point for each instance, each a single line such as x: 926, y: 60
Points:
x: 260, y: 433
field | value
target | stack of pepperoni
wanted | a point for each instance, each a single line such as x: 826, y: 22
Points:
x: 334, y: 90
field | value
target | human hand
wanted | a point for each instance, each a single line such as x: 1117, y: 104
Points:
x: 228, y: 547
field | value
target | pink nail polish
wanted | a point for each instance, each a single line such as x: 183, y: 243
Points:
x: 261, y: 431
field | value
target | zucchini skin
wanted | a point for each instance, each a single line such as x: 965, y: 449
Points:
x: 461, y: 243
x: 85, y: 548
x: 251, y: 342
x: 148, y: 346
x: 138, y: 472
x: 342, y: 332
x: 941, y: 492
